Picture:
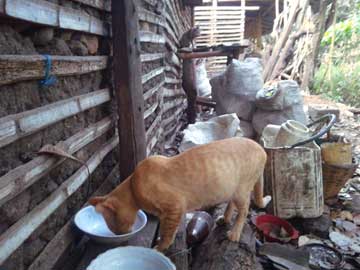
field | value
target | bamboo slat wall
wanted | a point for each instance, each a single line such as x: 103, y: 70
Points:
x: 162, y: 79
x: 39, y: 194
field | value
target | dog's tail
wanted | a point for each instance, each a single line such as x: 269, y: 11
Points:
x: 259, y: 199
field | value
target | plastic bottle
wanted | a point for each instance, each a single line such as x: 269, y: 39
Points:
x: 198, y: 228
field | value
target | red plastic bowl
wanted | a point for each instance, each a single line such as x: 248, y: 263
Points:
x: 266, y: 223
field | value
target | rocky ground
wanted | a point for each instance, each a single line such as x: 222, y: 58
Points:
x: 334, y: 238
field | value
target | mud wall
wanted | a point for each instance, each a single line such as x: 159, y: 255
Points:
x: 39, y: 194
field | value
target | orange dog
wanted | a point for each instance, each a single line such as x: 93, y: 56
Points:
x: 222, y: 171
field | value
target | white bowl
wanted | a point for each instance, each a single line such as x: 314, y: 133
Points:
x: 131, y: 258
x: 93, y: 224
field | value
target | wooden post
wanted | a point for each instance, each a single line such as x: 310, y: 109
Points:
x: 127, y: 86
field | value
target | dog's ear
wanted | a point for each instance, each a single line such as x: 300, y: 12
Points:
x: 95, y: 200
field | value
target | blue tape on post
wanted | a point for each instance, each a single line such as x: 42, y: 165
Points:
x: 48, y: 79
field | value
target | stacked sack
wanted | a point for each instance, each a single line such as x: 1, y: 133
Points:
x: 278, y: 103
x: 235, y: 91
x: 240, y: 89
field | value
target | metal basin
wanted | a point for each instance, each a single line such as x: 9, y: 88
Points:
x: 93, y: 224
x: 131, y: 258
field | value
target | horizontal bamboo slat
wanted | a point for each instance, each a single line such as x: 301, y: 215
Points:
x: 22, y: 177
x: 62, y: 241
x: 47, y: 13
x: 152, y: 91
x: 147, y: 36
x: 16, y: 126
x: 99, y: 4
x: 151, y: 57
x: 154, y: 124
x: 147, y: 16
x: 16, y: 68
x: 11, y: 239
x: 152, y: 74
x: 151, y: 109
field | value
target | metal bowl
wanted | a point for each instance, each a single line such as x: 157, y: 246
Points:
x: 93, y: 224
x: 131, y: 258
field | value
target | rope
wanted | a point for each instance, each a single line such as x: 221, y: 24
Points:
x: 48, y: 79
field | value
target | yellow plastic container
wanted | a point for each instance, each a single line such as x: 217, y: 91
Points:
x: 336, y: 153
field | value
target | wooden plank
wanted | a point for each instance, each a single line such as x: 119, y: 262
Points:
x: 206, y: 54
x: 172, y: 70
x: 51, y: 254
x: 206, y: 102
x: 151, y: 57
x: 151, y: 110
x: 147, y: 36
x: 20, y: 178
x: 174, y: 59
x: 152, y: 91
x: 47, y: 13
x: 99, y: 4
x: 152, y: 142
x: 172, y: 80
x: 127, y: 86
x: 152, y: 74
x: 74, y: 19
x: 37, y: 11
x: 173, y: 92
x: 19, y: 125
x: 171, y: 44
x: 174, y: 103
x: 177, y: 114
x: 147, y: 16
x: 16, y: 68
x: 13, y: 238
x: 154, y: 124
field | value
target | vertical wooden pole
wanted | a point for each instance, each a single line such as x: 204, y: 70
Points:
x: 127, y: 86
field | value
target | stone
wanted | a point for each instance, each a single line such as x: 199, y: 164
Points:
x: 91, y: 42
x: 43, y: 36
x: 317, y: 226
x: 78, y: 48
x: 57, y: 46
x: 317, y: 110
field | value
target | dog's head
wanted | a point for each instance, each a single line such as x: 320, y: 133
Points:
x: 118, y: 216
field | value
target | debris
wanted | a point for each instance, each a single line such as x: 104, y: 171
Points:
x: 324, y: 257
x: 317, y: 226
x: 217, y: 128
x: 308, y: 239
x: 275, y: 229
x: 344, y: 242
x: 346, y: 215
x: 357, y: 219
x: 286, y: 256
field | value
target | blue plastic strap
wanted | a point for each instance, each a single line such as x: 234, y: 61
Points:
x: 48, y: 79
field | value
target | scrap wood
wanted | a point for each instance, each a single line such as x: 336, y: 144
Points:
x: 282, y: 39
x: 206, y: 101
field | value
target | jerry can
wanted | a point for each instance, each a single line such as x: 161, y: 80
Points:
x: 293, y: 174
